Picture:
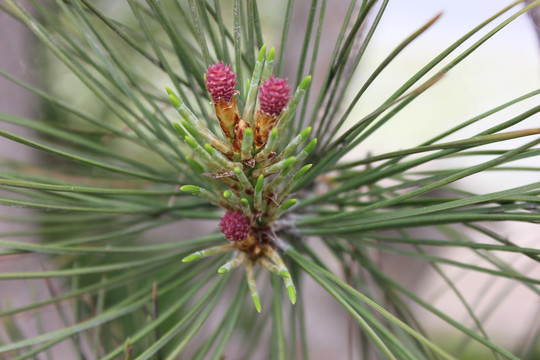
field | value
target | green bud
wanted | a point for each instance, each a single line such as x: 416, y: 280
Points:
x: 192, y: 131
x: 191, y: 142
x: 302, y: 171
x: 288, y: 162
x: 179, y: 129
x: 175, y: 100
x: 256, y: 302
x: 191, y: 189
x: 278, y: 166
x: 262, y: 53
x: 195, y: 256
x: 291, y: 291
x: 269, y: 64
x: 209, y: 149
x: 227, y: 194
x: 309, y: 148
x: 195, y: 165
x: 304, y: 134
x: 260, y: 183
x: 284, y: 273
x: 245, y: 207
x: 271, y: 54
x: 305, y: 83
x: 288, y: 204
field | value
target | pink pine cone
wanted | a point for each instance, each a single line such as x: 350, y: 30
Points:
x: 235, y: 225
x: 220, y: 82
x: 274, y: 95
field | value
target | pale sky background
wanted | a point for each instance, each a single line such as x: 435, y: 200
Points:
x: 505, y: 67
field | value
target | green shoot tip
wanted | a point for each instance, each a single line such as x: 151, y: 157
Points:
x: 222, y: 270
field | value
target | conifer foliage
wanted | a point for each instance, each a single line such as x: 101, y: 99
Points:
x: 179, y: 116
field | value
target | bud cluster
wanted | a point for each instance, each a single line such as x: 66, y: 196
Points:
x: 244, y: 172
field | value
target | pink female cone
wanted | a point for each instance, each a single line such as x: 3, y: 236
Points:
x: 273, y: 98
x: 220, y: 83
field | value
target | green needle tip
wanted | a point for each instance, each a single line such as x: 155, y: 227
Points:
x: 286, y: 205
x: 192, y: 257
x: 284, y: 273
x: 192, y: 189
x: 271, y: 54
x: 262, y: 53
x: 292, y: 293
x: 257, y: 302
x: 174, y: 99
x: 305, y: 83
x: 304, y: 134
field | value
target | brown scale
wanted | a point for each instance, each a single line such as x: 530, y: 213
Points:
x: 239, y: 130
x: 228, y: 116
x: 263, y: 124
